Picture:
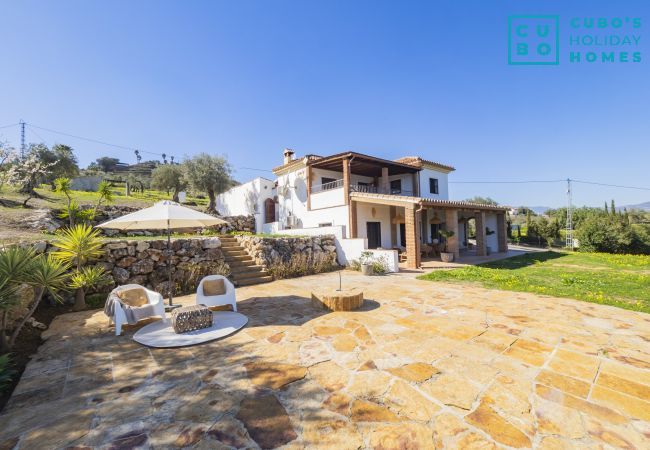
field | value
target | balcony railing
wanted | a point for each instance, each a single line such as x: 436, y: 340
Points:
x: 401, y: 192
x: 363, y: 188
x: 374, y: 190
x: 369, y: 188
x: 327, y: 186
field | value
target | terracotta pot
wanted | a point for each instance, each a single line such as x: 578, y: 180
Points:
x: 446, y: 257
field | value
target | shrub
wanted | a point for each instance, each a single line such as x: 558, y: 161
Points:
x: 607, y: 234
x: 300, y: 264
x: 379, y: 264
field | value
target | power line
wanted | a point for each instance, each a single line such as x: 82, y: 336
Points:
x: 36, y: 134
x: 611, y: 185
x: 96, y: 141
x: 507, y: 182
x: 7, y: 126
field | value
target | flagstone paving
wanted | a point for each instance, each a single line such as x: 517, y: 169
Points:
x: 422, y: 365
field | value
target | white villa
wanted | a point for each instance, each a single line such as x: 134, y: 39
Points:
x: 368, y: 203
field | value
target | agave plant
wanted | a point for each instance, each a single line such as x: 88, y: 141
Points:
x: 14, y: 268
x: 76, y: 246
x: 47, y: 276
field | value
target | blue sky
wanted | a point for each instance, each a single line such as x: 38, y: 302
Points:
x: 248, y: 78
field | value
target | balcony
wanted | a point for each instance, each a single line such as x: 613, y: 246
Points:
x: 375, y: 190
x: 327, y: 186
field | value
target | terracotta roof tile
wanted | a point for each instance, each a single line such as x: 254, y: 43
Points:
x: 428, y: 201
x: 416, y: 161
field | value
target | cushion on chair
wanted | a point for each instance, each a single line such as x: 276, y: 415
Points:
x: 214, y: 287
x: 133, y: 297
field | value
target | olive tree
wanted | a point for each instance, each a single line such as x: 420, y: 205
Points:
x: 169, y: 178
x: 209, y: 174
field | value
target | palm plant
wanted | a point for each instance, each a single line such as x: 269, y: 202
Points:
x: 46, y: 275
x: 78, y: 245
x: 64, y: 185
x: 14, y: 269
x: 89, y: 277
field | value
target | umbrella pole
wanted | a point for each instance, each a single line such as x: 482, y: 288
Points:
x: 169, y: 263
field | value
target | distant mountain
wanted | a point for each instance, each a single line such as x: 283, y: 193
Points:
x: 643, y: 206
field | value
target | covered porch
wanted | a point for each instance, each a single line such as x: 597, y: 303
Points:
x: 411, y: 225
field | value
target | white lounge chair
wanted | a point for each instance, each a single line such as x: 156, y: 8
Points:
x: 154, y: 300
x: 227, y: 298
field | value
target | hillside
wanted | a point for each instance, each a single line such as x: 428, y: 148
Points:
x: 645, y: 206
x: 16, y: 222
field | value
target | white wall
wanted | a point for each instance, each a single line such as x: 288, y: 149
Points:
x: 245, y: 199
x: 492, y: 240
x: 351, y: 249
x: 327, y: 199
x: 443, y: 187
x: 391, y: 257
x: 382, y: 215
x: 407, y: 182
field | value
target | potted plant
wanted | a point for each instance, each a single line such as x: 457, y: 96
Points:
x: 446, y: 256
x: 365, y: 261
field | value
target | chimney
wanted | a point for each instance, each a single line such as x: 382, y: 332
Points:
x: 288, y: 155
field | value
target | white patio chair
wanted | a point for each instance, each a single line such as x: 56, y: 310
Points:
x: 119, y: 316
x: 228, y: 298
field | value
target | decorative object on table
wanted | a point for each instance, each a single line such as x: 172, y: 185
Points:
x: 130, y: 303
x: 337, y: 299
x: 191, y: 318
x: 162, y: 335
x: 164, y: 215
x: 216, y: 290
x: 446, y: 256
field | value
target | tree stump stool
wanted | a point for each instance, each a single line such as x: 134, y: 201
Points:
x: 335, y: 300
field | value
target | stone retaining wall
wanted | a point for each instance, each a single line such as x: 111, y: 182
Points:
x: 316, y: 253
x: 145, y: 262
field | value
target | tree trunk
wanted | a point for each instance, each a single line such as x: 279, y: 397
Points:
x: 4, y: 343
x: 212, y: 207
x: 38, y: 295
x: 79, y: 300
x: 175, y: 197
x: 29, y: 197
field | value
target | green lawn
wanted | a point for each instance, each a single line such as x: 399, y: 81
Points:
x: 617, y: 280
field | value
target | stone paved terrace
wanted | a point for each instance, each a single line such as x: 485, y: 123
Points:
x: 425, y: 365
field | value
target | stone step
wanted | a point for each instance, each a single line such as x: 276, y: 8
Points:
x: 245, y: 269
x: 230, y: 258
x: 233, y: 264
x: 229, y: 253
x: 247, y: 275
x: 252, y: 281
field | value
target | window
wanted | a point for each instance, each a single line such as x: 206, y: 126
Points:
x: 396, y: 187
x: 325, y: 183
x: 433, y: 185
x: 326, y: 224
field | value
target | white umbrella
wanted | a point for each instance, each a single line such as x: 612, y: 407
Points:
x: 164, y: 215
